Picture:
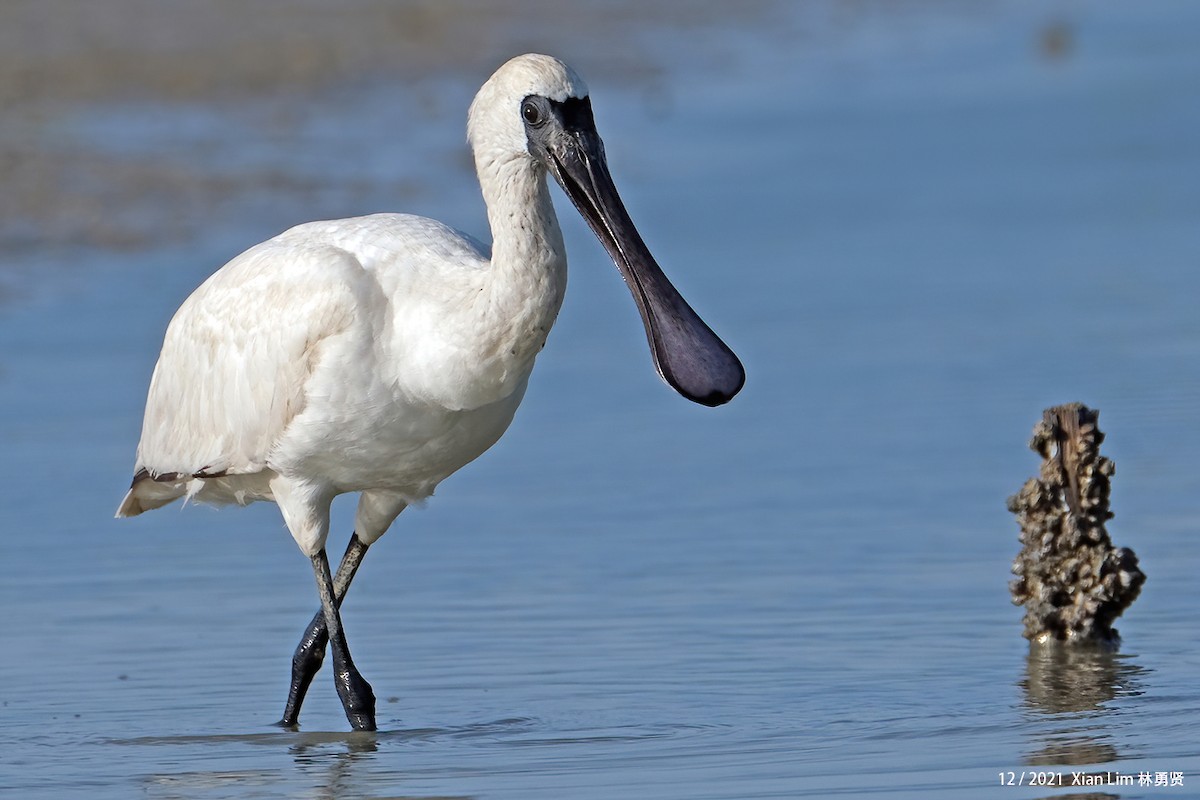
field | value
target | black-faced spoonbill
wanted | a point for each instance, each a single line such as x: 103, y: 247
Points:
x: 380, y: 354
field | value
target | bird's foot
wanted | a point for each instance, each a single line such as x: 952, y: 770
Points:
x: 358, y: 700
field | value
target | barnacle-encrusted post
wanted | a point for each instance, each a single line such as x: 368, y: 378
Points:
x: 1071, y: 580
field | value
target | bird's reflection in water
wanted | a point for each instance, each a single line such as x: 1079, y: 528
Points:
x: 1071, y: 688
x: 317, y: 748
x: 340, y: 765
x: 333, y: 763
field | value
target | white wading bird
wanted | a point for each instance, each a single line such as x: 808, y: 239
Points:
x: 380, y: 354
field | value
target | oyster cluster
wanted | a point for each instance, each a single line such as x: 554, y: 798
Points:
x: 1071, y: 580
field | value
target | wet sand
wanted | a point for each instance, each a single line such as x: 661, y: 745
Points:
x: 62, y: 191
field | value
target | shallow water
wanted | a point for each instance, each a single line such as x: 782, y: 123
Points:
x: 918, y: 227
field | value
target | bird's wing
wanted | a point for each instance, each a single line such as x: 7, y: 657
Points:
x: 237, y: 357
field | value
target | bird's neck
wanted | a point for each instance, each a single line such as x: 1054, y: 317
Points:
x: 528, y: 274
x: 525, y: 233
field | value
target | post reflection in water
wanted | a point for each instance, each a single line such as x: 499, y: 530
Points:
x: 1072, y: 686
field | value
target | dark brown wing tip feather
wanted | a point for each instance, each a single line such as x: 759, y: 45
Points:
x: 144, y: 474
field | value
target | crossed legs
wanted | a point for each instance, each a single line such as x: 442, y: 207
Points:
x: 326, y: 628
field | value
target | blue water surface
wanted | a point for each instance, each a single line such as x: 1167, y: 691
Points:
x: 919, y: 227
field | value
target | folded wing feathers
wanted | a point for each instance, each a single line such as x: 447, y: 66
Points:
x: 234, y: 367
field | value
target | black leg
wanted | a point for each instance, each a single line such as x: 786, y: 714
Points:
x: 310, y: 654
x: 357, y: 698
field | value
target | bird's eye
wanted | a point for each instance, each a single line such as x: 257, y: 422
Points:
x: 531, y: 113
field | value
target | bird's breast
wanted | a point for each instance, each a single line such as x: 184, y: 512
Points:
x: 474, y: 345
x: 400, y: 444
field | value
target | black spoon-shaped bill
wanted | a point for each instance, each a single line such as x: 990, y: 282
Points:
x: 687, y: 354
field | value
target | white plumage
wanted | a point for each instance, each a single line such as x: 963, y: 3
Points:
x: 375, y: 354
x: 369, y: 354
x: 380, y: 354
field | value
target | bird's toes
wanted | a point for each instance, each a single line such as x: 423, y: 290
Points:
x: 362, y: 721
x: 358, y: 700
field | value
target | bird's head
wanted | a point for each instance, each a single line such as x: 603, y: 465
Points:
x: 536, y: 109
